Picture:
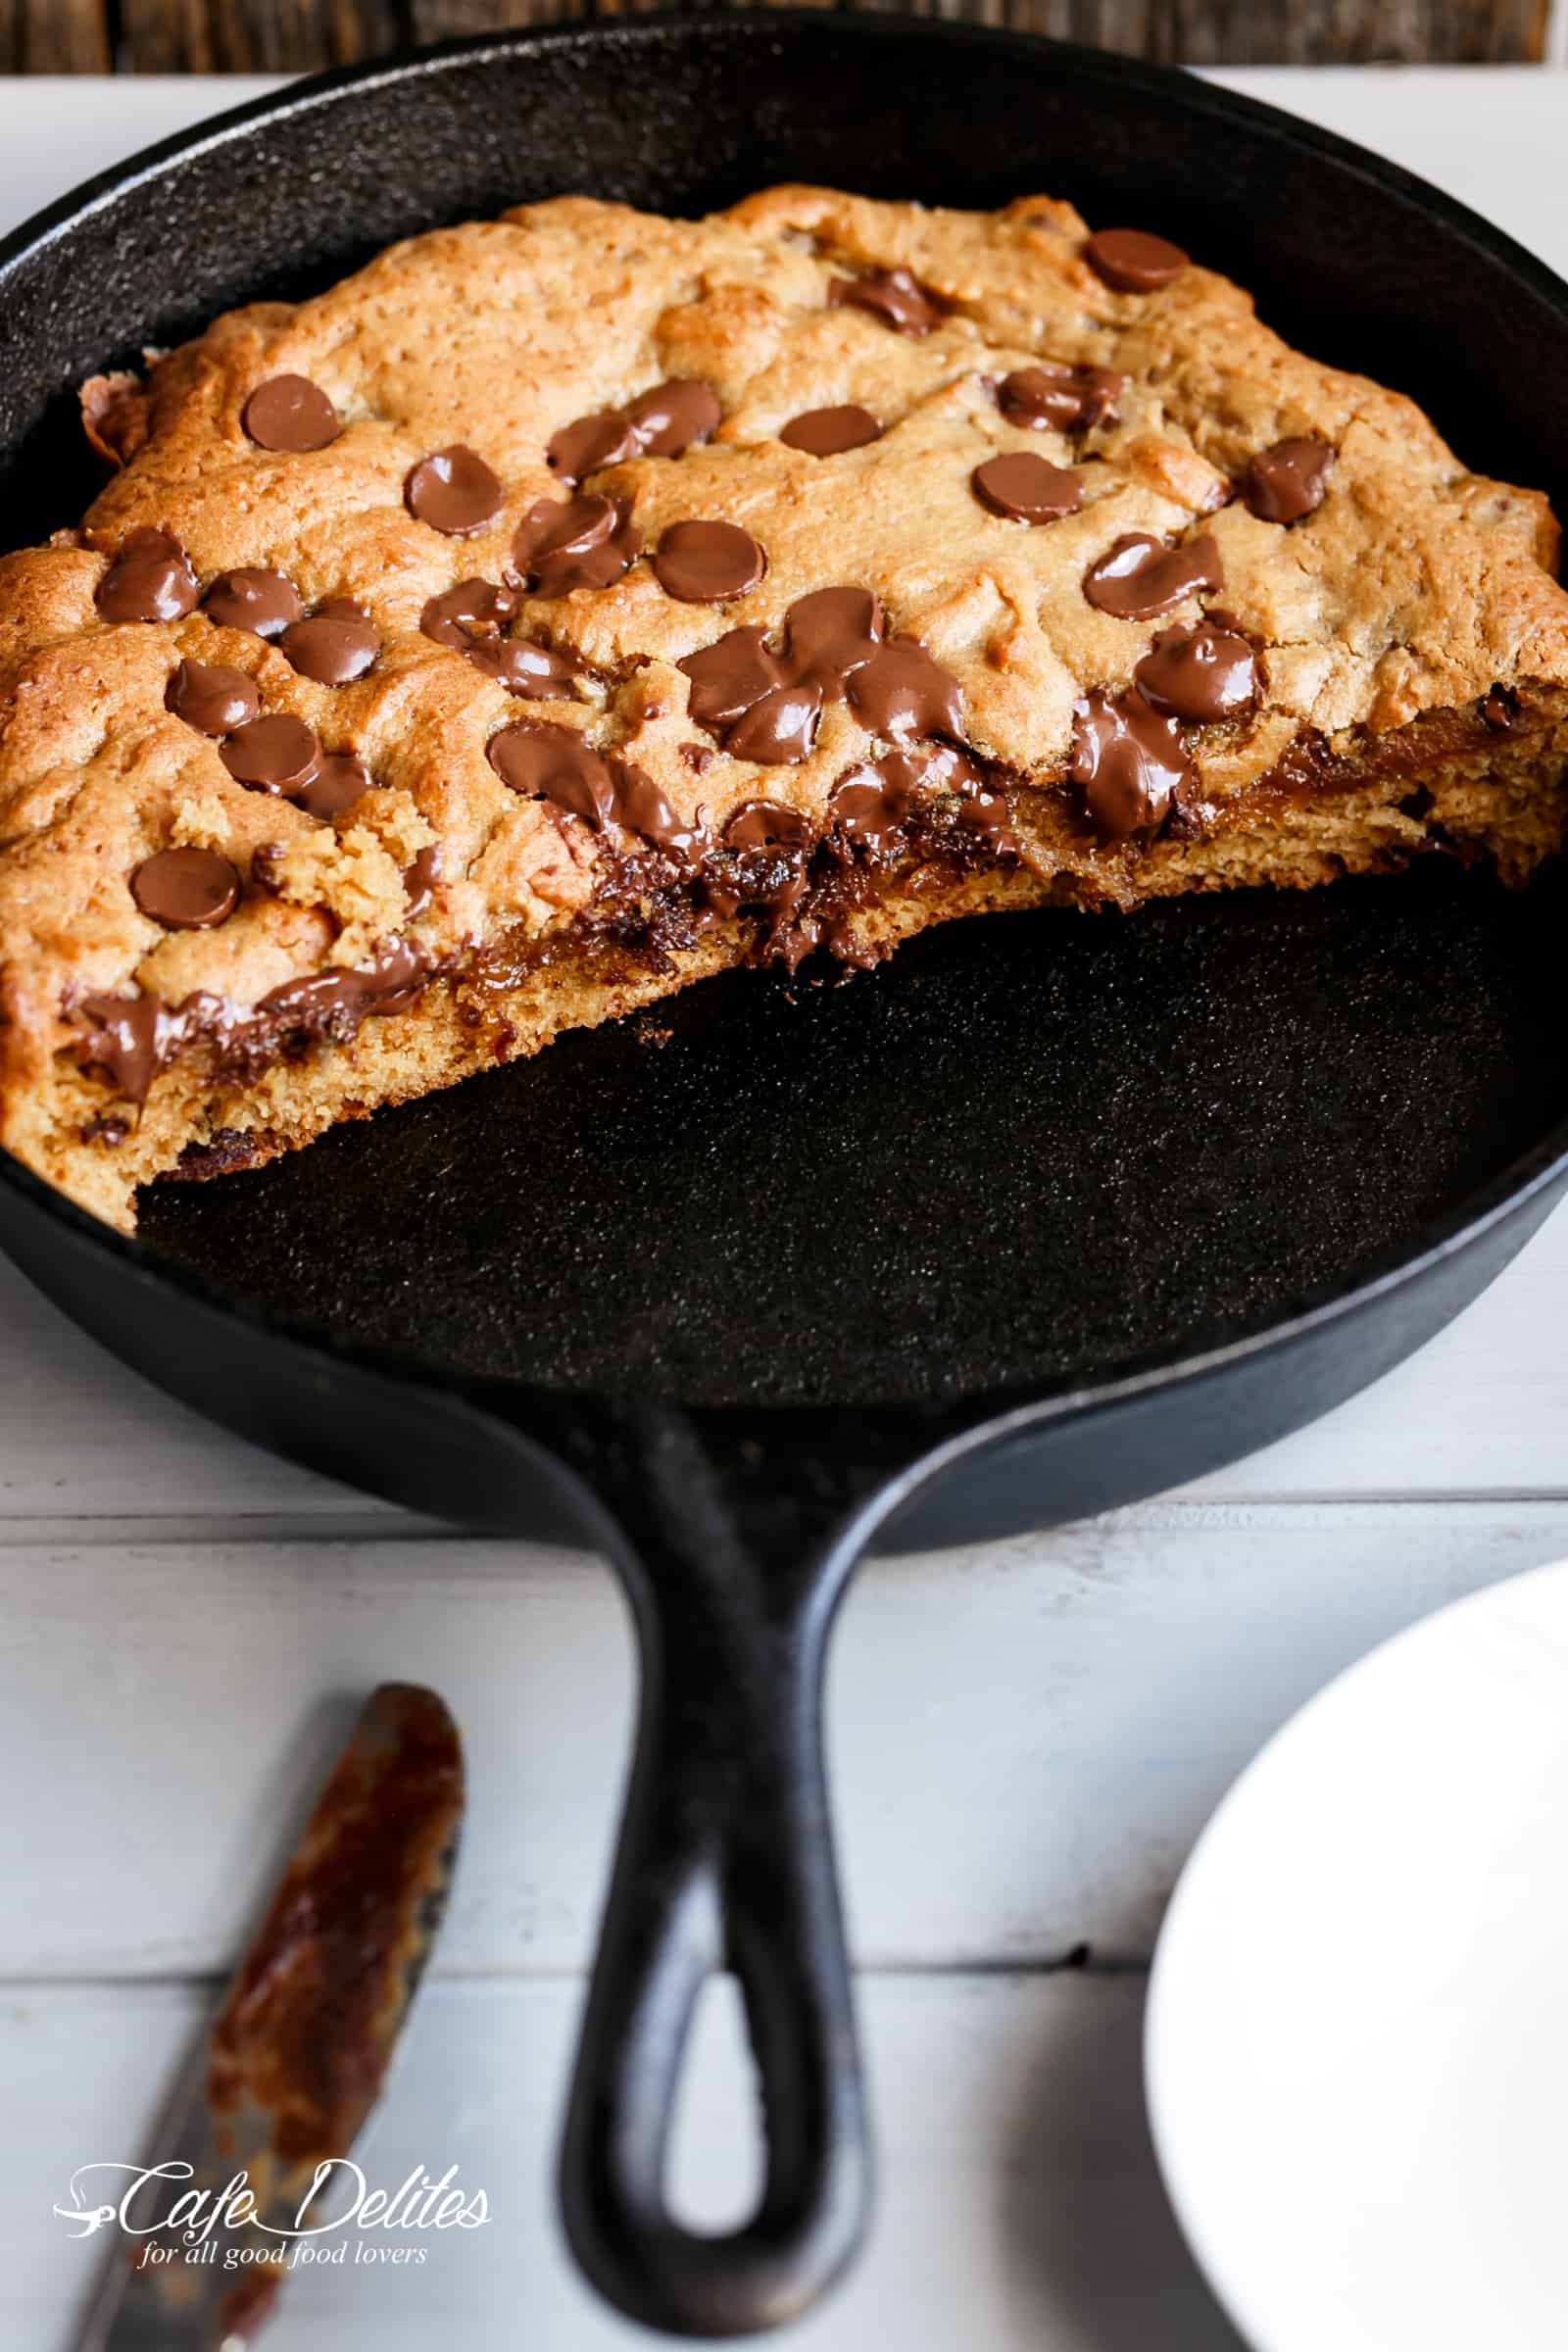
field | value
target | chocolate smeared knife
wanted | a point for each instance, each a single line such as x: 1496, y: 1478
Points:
x: 294, y: 2060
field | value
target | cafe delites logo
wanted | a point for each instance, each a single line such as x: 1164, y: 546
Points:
x: 170, y: 2218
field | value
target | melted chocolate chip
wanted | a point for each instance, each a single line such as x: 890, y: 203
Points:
x: 265, y: 602
x: 780, y: 728
x: 902, y: 692
x: 274, y: 753
x: 563, y: 544
x: 1138, y: 578
x: 419, y: 879
x: 1499, y: 709
x: 339, y: 780
x: 659, y: 423
x: 768, y: 825
x: 708, y: 563
x: 728, y: 678
x: 1132, y: 262
x: 453, y: 491
x: 467, y: 612
x: 674, y: 416
x: 824, y: 432
x: 545, y: 763
x: 871, y: 804
x: 534, y: 672
x: 150, y: 578
x: 186, y: 889
x: 643, y: 808
x: 1068, y: 399
x: 894, y: 297
x: 128, y: 1038
x: 290, y: 413
x: 211, y: 699
x: 1024, y: 488
x: 1288, y: 480
x: 1202, y: 674
x: 830, y: 634
x: 339, y: 644
x: 581, y: 448
x: 1128, y: 762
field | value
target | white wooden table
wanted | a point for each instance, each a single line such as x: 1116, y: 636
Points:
x: 1026, y: 1736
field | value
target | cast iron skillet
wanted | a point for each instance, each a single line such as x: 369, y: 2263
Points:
x: 1048, y: 1214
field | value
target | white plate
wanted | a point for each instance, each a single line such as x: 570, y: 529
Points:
x: 1357, y: 2042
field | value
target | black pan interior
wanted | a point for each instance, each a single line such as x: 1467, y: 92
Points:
x: 1032, y: 1149
x: 1036, y: 1146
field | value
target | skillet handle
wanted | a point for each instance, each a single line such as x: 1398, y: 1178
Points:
x: 726, y: 1860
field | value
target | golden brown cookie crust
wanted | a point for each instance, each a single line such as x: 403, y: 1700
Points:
x: 1410, y: 594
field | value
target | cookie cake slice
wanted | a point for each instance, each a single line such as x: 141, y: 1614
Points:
x: 568, y: 607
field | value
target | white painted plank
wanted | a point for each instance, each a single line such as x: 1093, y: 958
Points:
x: 59, y: 128
x: 1020, y: 2210
x: 1026, y: 1740
x: 1484, y: 134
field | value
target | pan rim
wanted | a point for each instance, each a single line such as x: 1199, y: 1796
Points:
x: 949, y: 1426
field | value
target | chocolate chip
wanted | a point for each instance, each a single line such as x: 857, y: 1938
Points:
x: 766, y: 826
x: 657, y: 424
x: 902, y: 692
x: 1128, y: 762
x: 824, y: 432
x: 545, y: 763
x: 1068, y: 399
x: 150, y: 578
x: 339, y: 780
x: 581, y: 448
x: 643, y: 808
x: 213, y: 700
x: 1138, y: 578
x: 339, y: 644
x: 831, y: 633
x: 453, y: 491
x: 780, y: 728
x: 728, y: 678
x: 290, y: 413
x: 708, y: 563
x: 129, y: 1040
x: 1201, y: 674
x: 1132, y: 262
x: 186, y: 889
x: 535, y: 671
x: 1499, y: 709
x: 470, y: 609
x: 894, y: 297
x: 1288, y: 480
x: 674, y: 416
x: 562, y: 544
x: 985, y: 812
x: 262, y: 602
x: 1024, y: 488
x: 871, y: 804
x: 273, y: 753
x: 419, y: 879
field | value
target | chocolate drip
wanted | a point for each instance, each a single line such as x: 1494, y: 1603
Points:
x: 1128, y: 762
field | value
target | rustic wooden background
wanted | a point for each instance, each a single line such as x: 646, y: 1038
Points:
x: 206, y: 36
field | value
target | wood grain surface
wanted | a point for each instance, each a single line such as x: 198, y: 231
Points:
x: 253, y: 36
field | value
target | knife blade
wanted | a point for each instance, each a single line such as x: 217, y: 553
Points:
x: 295, y: 2058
